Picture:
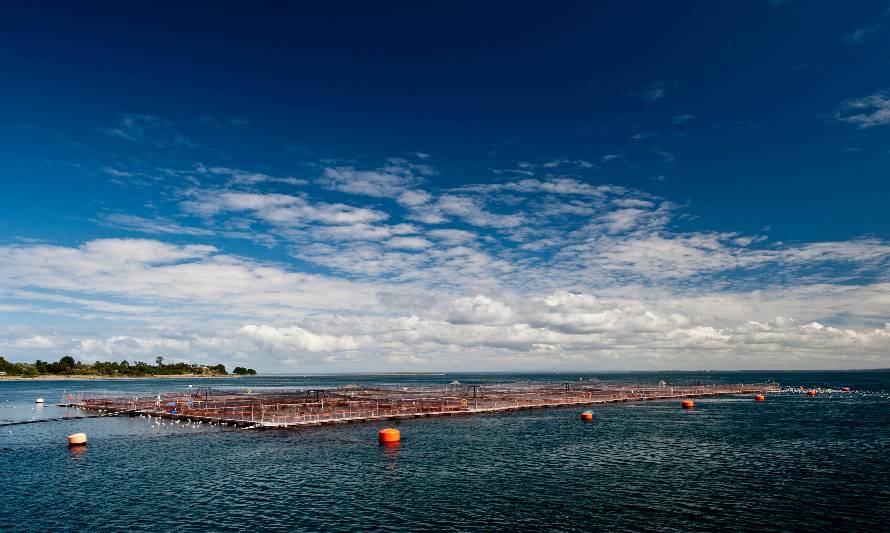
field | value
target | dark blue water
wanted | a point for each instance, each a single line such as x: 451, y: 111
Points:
x: 791, y: 463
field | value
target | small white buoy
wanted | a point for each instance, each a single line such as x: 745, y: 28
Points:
x: 38, y: 400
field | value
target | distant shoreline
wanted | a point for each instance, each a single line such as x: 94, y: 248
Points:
x: 52, y: 377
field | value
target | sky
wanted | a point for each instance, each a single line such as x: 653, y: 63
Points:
x: 472, y: 186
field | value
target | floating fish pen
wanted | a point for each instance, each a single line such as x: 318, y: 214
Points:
x: 279, y: 408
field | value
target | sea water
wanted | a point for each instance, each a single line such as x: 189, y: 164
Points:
x: 791, y: 463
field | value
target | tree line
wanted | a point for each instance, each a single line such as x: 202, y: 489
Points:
x: 67, y: 366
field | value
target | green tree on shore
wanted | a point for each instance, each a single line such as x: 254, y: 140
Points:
x: 67, y: 366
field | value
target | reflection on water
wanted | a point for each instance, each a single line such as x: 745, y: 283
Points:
x: 391, y: 451
x: 76, y: 452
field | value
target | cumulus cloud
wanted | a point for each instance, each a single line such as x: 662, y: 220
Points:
x: 286, y: 318
x: 36, y: 342
x: 479, y: 309
x: 295, y: 338
x: 536, y: 272
x: 149, y: 272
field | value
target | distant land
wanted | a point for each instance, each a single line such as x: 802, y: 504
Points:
x: 68, y: 368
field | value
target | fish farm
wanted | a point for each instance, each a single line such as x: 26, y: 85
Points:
x: 291, y: 408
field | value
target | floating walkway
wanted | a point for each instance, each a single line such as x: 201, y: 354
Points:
x: 273, y: 408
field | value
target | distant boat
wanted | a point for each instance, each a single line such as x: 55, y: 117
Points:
x: 38, y: 400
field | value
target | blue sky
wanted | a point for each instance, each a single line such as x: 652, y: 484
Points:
x: 403, y: 187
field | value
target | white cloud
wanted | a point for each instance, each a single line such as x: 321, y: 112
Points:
x: 866, y: 112
x: 472, y: 211
x: 612, y: 157
x: 389, y: 180
x: 151, y: 225
x: 244, y: 177
x: 860, y: 251
x: 452, y: 236
x: 297, y: 339
x: 552, y: 185
x: 859, y: 35
x: 148, y: 130
x: 414, y: 198
x: 654, y: 91
x: 166, y: 276
x: 38, y: 342
x: 367, y: 182
x: 275, y: 318
x: 479, y: 310
x: 359, y: 231
x: 623, y: 219
x: 556, y: 163
x: 277, y: 209
x: 663, y: 155
x: 529, y: 273
x: 681, y: 119
x: 409, y: 243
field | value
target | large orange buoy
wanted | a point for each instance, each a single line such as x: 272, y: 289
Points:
x: 759, y: 397
x: 687, y: 404
x: 78, y: 439
x: 811, y: 392
x: 587, y: 416
x: 389, y: 436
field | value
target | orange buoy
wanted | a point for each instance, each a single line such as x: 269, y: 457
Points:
x: 759, y: 397
x: 587, y: 416
x: 78, y: 439
x: 845, y: 389
x: 389, y: 436
x: 687, y: 404
x: 811, y: 392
